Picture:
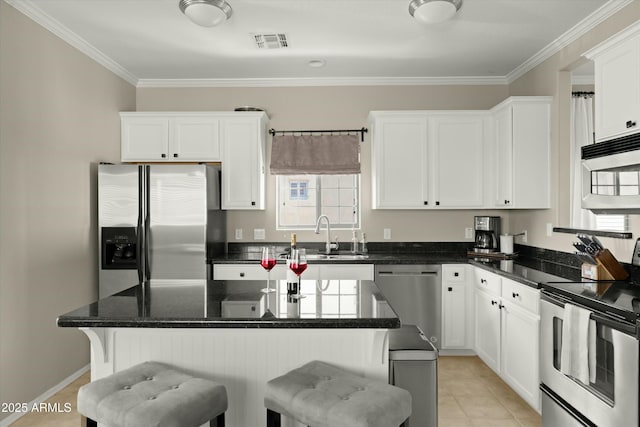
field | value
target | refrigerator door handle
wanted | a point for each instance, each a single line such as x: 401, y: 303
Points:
x: 139, y: 232
x: 147, y: 225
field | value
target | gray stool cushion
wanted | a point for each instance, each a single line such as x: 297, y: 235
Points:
x: 152, y: 394
x: 320, y: 395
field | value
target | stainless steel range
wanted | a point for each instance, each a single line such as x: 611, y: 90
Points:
x: 609, y: 396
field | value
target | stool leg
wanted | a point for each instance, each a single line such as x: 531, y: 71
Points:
x: 218, y: 422
x: 273, y: 418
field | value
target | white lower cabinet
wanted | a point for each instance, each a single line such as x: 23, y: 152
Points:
x: 507, y: 327
x: 457, y: 308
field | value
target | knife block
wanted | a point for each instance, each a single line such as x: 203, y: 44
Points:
x: 607, y: 268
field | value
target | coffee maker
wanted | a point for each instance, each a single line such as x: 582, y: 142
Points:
x: 487, y: 230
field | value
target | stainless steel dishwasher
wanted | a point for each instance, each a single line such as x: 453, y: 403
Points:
x: 414, y: 292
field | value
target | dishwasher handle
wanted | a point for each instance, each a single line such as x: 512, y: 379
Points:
x: 407, y: 273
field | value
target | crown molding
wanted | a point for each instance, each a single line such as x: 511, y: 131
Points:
x: 326, y: 81
x: 36, y: 14
x: 578, y: 30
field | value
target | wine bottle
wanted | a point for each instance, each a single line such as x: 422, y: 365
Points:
x: 292, y: 279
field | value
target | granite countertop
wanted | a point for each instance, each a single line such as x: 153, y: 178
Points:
x: 219, y: 304
x: 531, y: 272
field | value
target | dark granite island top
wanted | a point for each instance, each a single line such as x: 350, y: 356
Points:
x: 227, y: 304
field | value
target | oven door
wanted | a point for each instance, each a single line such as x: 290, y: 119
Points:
x: 612, y: 400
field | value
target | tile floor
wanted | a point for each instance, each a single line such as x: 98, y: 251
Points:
x: 470, y: 394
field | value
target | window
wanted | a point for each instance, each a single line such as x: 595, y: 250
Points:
x: 303, y: 198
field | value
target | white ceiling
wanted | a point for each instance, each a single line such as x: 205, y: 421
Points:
x: 150, y: 42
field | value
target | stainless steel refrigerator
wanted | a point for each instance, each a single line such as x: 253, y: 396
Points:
x: 157, y: 223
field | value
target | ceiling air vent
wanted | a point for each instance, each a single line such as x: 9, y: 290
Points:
x: 271, y: 41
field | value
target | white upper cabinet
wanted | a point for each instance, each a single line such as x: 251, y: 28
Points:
x: 170, y: 137
x: 399, y: 160
x: 522, y: 138
x: 427, y: 159
x: 617, y: 86
x: 457, y: 141
x: 243, y: 169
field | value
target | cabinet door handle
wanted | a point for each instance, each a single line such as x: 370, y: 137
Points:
x: 506, y: 202
x: 483, y: 281
x: 456, y: 274
x: 425, y: 202
x: 163, y: 155
x: 241, y: 274
x: 630, y: 124
x: 493, y: 302
x: 450, y: 289
x: 515, y: 295
x: 175, y: 154
x: 253, y: 203
x: 500, y: 306
x: 437, y: 203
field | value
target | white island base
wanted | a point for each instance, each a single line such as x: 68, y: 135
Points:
x: 243, y: 359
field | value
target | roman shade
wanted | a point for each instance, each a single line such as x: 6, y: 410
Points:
x: 315, y: 154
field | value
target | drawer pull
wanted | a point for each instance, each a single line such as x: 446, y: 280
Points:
x: 242, y: 274
x: 630, y: 124
x: 450, y: 289
x: 493, y: 302
x: 456, y: 274
x: 483, y: 281
x: 515, y: 295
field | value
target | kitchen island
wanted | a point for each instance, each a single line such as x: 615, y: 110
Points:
x: 232, y: 333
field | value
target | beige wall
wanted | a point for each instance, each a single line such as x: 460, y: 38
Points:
x: 58, y: 116
x: 553, y: 77
x: 336, y: 108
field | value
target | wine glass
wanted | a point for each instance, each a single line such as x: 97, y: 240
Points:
x: 298, y: 264
x: 268, y: 261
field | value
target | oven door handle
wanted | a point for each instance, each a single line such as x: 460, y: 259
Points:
x: 577, y: 416
x: 607, y: 318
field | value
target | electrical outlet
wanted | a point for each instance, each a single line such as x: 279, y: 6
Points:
x: 238, y: 233
x: 549, y: 229
x: 524, y: 236
x: 468, y: 233
x: 258, y: 234
x: 387, y: 233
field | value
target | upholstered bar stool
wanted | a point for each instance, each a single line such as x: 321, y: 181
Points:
x: 321, y: 395
x: 152, y: 394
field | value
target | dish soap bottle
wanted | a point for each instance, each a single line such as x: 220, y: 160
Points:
x: 354, y: 243
x: 363, y: 244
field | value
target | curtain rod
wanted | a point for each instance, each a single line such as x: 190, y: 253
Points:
x: 361, y: 131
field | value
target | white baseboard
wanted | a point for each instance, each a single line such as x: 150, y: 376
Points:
x: 456, y: 352
x: 46, y: 395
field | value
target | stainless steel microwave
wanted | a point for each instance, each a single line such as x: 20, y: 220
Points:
x: 611, y: 176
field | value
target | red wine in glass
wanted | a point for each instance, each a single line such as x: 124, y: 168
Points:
x: 268, y: 263
x: 298, y: 268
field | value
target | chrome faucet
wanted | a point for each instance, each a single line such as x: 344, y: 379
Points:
x: 328, y: 245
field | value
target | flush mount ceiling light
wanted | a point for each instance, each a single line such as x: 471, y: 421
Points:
x: 206, y: 13
x: 434, y: 11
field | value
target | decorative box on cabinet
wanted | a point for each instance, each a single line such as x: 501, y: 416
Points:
x: 169, y: 137
x: 617, y: 66
x: 522, y: 127
x: 417, y: 162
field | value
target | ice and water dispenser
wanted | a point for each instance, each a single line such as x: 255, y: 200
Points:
x: 119, y: 248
